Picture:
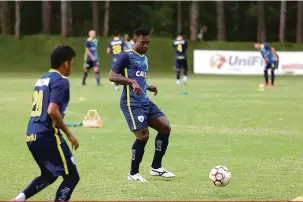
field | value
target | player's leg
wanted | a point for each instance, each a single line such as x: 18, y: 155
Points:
x: 185, y: 73
x: 178, y: 71
x: 266, y: 74
x: 97, y: 72
x: 272, y: 73
x: 158, y: 121
x: 86, y: 68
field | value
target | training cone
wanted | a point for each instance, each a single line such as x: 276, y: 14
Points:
x: 92, y: 119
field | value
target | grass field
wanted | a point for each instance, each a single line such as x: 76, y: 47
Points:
x: 222, y: 120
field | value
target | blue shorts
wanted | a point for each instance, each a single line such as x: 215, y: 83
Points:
x: 52, y: 155
x: 181, y: 64
x: 138, y: 117
x: 91, y: 64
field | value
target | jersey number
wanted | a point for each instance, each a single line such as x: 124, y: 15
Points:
x: 116, y: 49
x: 179, y: 48
x: 37, y: 103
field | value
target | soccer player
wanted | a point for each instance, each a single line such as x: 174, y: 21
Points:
x: 140, y: 112
x: 91, y: 57
x: 43, y: 136
x: 180, y: 46
x: 114, y: 48
x: 271, y: 59
x: 128, y: 41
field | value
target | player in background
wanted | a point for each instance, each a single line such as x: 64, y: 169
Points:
x: 128, y: 41
x: 140, y: 112
x: 91, y: 57
x: 114, y: 48
x: 44, y: 139
x: 271, y: 59
x: 180, y: 46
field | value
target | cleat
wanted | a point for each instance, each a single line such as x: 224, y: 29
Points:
x: 161, y: 172
x: 265, y: 84
x: 271, y: 85
x: 136, y: 177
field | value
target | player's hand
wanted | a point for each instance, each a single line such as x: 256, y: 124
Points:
x: 136, y: 88
x: 74, y: 141
x: 153, y: 89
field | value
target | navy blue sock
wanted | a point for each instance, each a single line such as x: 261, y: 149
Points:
x: 272, y: 77
x: 98, y: 77
x: 67, y: 187
x: 137, y: 155
x: 161, y: 143
x: 178, y: 75
x: 266, y: 76
x: 84, y: 75
x: 37, y: 185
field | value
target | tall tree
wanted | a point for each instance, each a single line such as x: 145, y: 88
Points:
x: 4, y: 12
x: 64, y: 18
x: 261, y: 33
x: 300, y: 22
x: 17, y: 19
x: 179, y: 16
x: 46, y: 16
x: 283, y: 10
x: 70, y: 17
x: 106, y: 18
x: 194, y: 19
x: 95, y: 5
x: 220, y: 21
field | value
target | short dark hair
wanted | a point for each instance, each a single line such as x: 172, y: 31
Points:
x: 61, y: 54
x: 141, y: 31
x: 116, y: 33
x: 180, y: 33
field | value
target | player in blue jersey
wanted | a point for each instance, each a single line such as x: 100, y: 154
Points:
x: 91, y: 57
x: 114, y: 48
x: 44, y: 131
x: 180, y: 46
x: 271, y: 59
x: 128, y: 41
x: 140, y: 112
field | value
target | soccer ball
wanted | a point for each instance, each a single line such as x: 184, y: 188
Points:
x: 220, y: 176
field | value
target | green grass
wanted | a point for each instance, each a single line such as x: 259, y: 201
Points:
x: 222, y: 120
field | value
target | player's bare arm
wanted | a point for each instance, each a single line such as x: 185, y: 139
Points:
x: 119, y: 79
x: 90, y: 54
x: 108, y: 51
x: 153, y: 89
x: 54, y: 113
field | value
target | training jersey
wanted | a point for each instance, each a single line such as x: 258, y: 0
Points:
x: 92, y: 45
x: 267, y: 53
x: 129, y: 44
x: 180, y: 47
x: 134, y: 66
x: 52, y: 87
x: 116, y: 46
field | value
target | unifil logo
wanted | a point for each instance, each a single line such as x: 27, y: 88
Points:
x: 245, y: 61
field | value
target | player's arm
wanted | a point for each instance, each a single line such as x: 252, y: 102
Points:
x: 88, y: 51
x: 109, y: 49
x: 274, y: 52
x: 124, y: 45
x: 153, y: 89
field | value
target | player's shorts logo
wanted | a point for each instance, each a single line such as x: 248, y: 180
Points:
x: 217, y: 61
x: 141, y: 118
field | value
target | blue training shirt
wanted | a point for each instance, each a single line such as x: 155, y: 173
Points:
x: 92, y: 45
x: 52, y: 87
x: 116, y: 46
x: 134, y: 66
x: 180, y: 47
x: 267, y: 53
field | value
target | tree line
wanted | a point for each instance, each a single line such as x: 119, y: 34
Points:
x: 199, y: 20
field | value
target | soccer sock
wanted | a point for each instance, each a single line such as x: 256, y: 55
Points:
x: 272, y: 77
x: 266, y: 76
x: 98, y: 77
x: 137, y: 155
x: 84, y: 75
x: 185, y: 72
x: 37, y: 185
x: 178, y: 75
x: 161, y: 144
x: 67, y: 187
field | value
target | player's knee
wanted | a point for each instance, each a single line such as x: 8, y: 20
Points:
x: 167, y: 129
x: 96, y: 69
x: 74, y: 177
x: 142, y: 134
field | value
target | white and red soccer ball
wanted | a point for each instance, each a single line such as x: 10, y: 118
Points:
x: 220, y: 176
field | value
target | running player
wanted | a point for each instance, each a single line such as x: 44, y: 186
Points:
x: 271, y: 59
x: 180, y: 46
x: 128, y: 41
x: 114, y: 48
x: 140, y: 112
x: 43, y: 136
x: 91, y: 57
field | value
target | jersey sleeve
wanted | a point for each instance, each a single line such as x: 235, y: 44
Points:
x: 121, y: 63
x: 267, y: 46
x: 59, y: 91
x: 86, y: 44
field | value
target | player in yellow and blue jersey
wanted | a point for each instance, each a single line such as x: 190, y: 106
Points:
x: 91, y: 57
x: 114, y: 48
x: 271, y: 59
x: 44, y: 137
x: 180, y: 46
x: 130, y: 70
x: 128, y: 41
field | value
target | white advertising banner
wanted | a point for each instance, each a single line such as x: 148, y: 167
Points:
x: 244, y: 62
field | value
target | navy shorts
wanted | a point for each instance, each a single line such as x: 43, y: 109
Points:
x: 270, y: 66
x: 138, y: 117
x: 181, y: 64
x: 91, y: 64
x: 52, y: 155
